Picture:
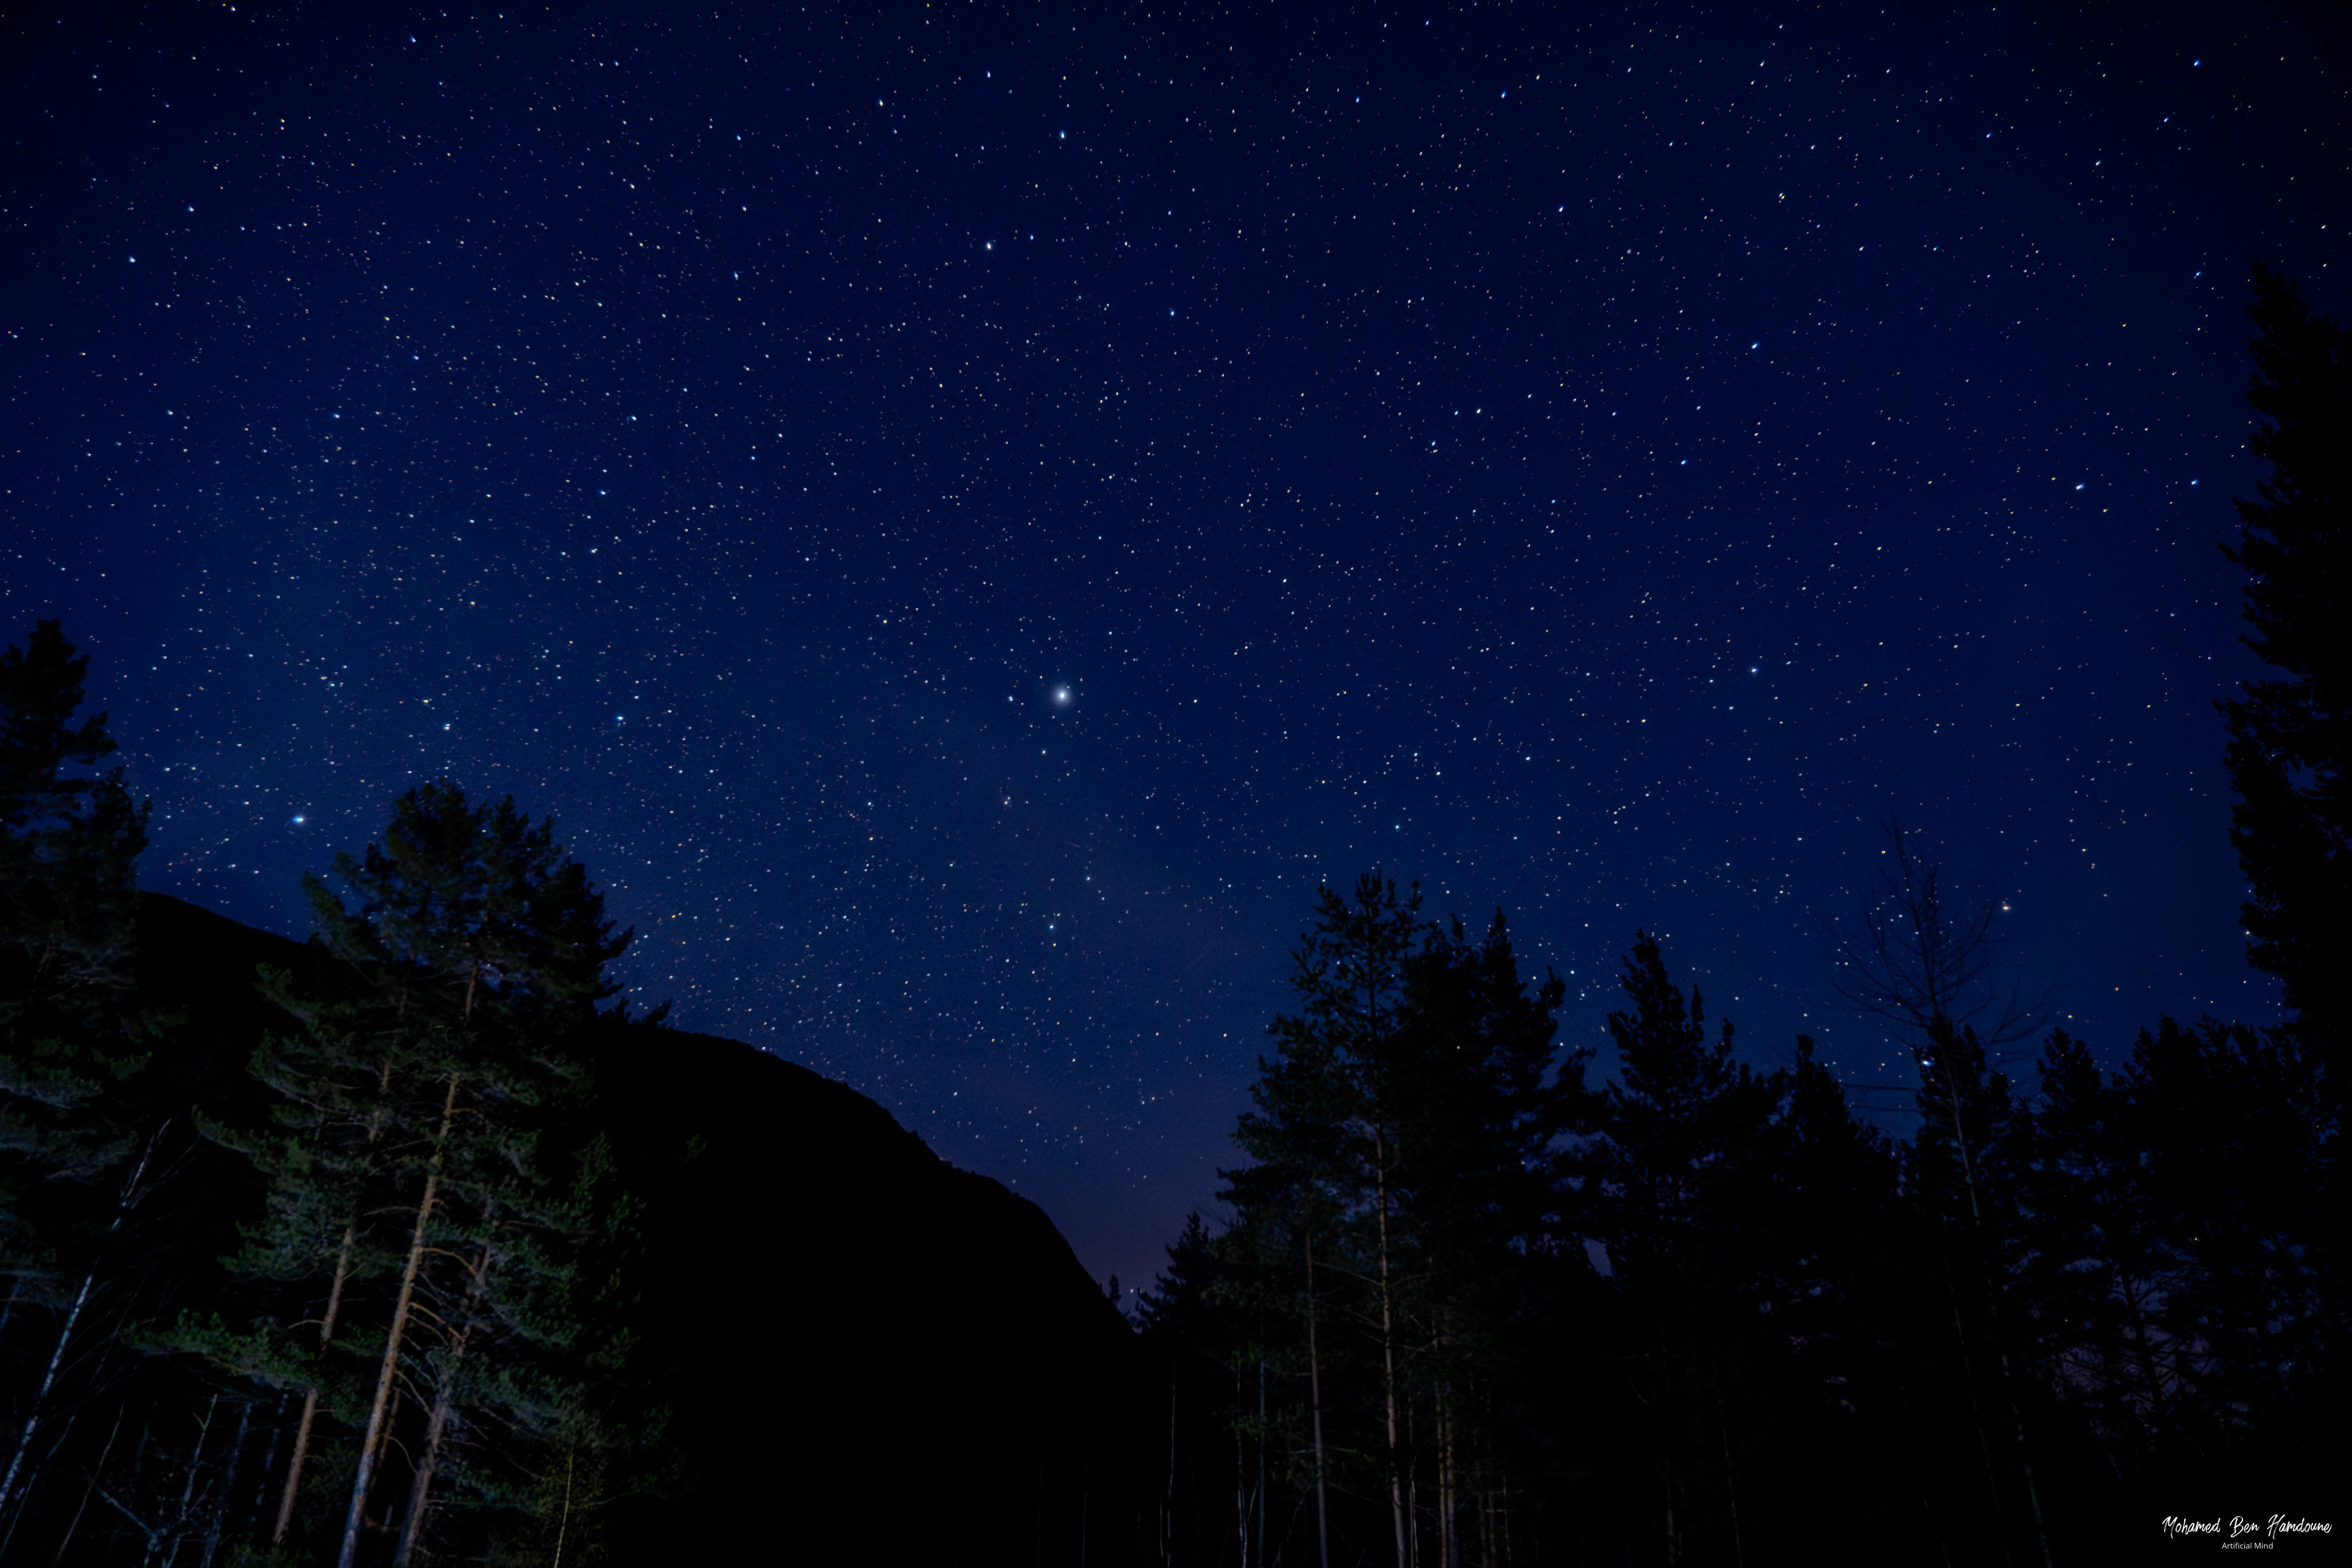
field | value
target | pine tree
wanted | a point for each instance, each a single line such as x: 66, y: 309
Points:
x: 2235, y: 1143
x: 2101, y: 1273
x: 427, y: 1143
x: 69, y: 840
x: 1964, y: 1167
x: 507, y: 1341
x: 1222, y: 1322
x: 1679, y: 1164
x: 1830, y: 1293
x: 2290, y: 736
x: 1483, y: 1098
x: 326, y: 1165
x: 495, y: 949
x: 1335, y: 1100
x: 75, y: 1160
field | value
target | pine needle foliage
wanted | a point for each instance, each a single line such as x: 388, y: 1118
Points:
x: 2290, y: 750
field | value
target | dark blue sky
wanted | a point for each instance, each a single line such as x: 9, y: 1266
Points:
x: 966, y: 514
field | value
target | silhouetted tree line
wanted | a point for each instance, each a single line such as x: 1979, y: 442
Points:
x: 1473, y: 1304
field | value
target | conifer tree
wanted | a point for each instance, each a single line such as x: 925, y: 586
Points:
x: 1835, y: 1188
x: 1831, y: 1293
x: 1316, y: 1203
x: 2099, y: 1267
x: 1964, y: 1166
x: 1326, y: 1134
x: 75, y: 1162
x: 2236, y: 1143
x: 2290, y: 735
x: 494, y: 949
x: 325, y: 1163
x: 1682, y: 1134
x: 428, y: 1082
x: 1221, y: 1321
x: 69, y: 840
x: 507, y: 1337
x: 1484, y: 1100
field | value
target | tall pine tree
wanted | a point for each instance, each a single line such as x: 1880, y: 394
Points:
x: 75, y: 1160
x: 2290, y: 735
x: 1678, y: 1168
x: 427, y: 1207
x: 1484, y: 1100
x: 1324, y: 1138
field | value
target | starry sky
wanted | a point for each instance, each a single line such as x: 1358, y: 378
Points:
x: 967, y: 514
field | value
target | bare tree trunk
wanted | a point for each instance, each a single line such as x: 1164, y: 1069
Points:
x: 1447, y: 1555
x: 124, y: 1203
x: 188, y: 1489
x: 311, y: 1395
x: 96, y: 1471
x: 1496, y: 1486
x: 1975, y: 1409
x: 388, y: 1371
x: 418, y: 1495
x: 1261, y: 1458
x: 1315, y: 1398
x: 268, y: 1462
x: 1412, y: 1495
x: 1487, y: 1509
x: 1167, y: 1496
x: 327, y: 1329
x: 48, y: 1378
x: 228, y: 1483
x: 1240, y: 1477
x: 1387, y: 1347
x: 443, y: 1407
x: 2025, y: 1460
x: 1731, y: 1478
x: 2151, y: 1370
x: 563, y: 1521
x: 1674, y: 1536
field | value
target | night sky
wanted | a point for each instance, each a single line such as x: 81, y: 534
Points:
x: 965, y: 516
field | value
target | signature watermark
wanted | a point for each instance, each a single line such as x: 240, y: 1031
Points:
x: 2237, y: 1534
